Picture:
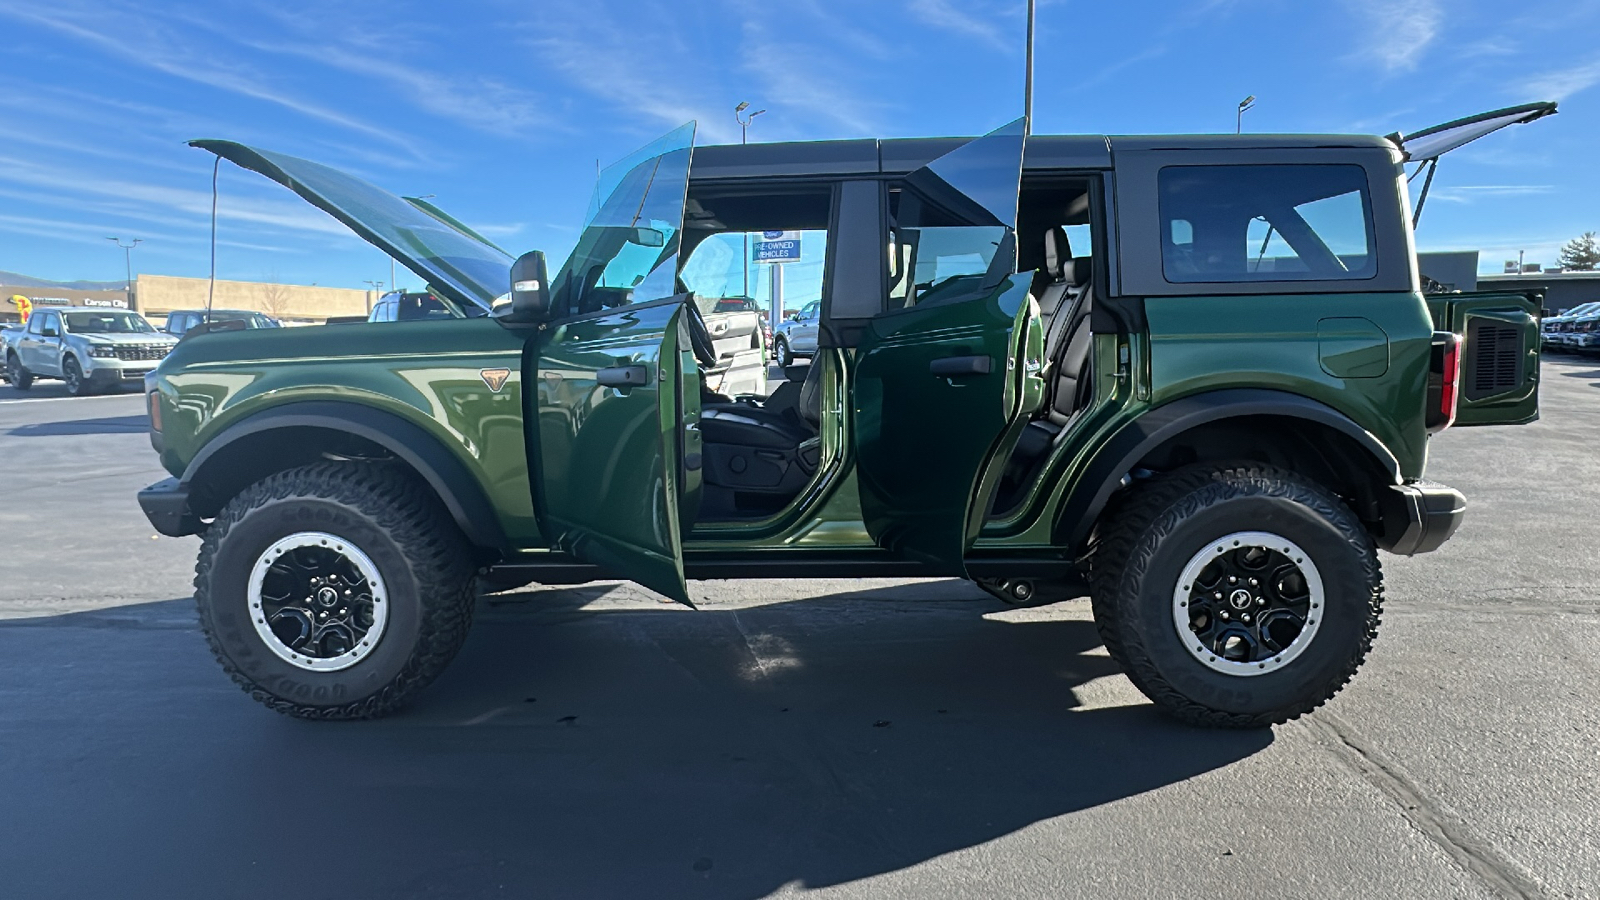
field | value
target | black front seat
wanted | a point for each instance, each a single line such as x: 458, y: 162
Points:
x: 757, y: 459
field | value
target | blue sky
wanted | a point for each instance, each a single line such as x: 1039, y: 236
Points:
x: 502, y: 109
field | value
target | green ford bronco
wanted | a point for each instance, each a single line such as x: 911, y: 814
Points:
x: 1193, y: 378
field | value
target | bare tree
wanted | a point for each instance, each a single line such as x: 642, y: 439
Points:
x: 275, y: 298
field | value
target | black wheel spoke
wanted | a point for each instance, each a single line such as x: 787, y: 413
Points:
x: 1245, y: 601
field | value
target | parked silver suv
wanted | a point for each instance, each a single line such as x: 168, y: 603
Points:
x: 90, y: 349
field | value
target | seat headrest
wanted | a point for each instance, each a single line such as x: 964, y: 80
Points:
x: 1057, y: 252
x: 1078, y: 271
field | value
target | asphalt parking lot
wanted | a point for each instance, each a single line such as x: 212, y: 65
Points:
x: 855, y: 738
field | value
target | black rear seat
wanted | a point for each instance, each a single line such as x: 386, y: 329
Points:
x: 1068, y: 342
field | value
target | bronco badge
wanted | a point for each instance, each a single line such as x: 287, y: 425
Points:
x: 495, y: 378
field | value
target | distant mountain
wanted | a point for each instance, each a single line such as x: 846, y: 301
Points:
x: 16, y: 280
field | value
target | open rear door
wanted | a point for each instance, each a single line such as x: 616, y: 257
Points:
x: 934, y: 389
x: 605, y: 407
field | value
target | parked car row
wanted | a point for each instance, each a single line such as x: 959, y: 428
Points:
x: 95, y: 350
x: 1576, y: 329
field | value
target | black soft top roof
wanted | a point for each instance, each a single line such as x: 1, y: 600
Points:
x: 1045, y: 152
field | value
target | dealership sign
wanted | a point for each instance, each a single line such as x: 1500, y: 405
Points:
x: 776, y: 247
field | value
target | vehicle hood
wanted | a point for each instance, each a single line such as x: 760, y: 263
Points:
x: 123, y: 339
x: 461, y: 266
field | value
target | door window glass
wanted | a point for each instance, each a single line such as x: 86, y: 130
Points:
x: 1265, y: 223
x: 952, y: 223
x: 628, y: 251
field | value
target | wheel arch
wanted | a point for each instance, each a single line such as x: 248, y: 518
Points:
x: 300, y: 433
x: 1276, y: 427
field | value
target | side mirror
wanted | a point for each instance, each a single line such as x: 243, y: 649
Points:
x: 49, y: 331
x: 530, y: 291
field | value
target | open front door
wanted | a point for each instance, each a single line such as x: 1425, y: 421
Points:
x: 603, y: 411
x: 935, y: 385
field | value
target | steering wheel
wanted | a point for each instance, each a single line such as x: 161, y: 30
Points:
x: 699, y: 335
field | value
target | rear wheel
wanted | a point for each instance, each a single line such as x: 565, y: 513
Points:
x: 334, y: 591
x: 1236, y: 596
x: 781, y: 353
x: 21, y: 378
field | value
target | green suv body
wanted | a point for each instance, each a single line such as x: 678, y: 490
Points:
x: 1191, y: 377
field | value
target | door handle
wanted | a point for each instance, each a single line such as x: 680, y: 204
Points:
x: 951, y: 366
x: 623, y: 376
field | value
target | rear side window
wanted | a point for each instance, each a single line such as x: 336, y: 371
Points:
x: 1265, y: 223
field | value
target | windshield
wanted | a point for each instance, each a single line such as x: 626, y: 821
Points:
x: 469, y: 271
x: 628, y: 250
x: 106, y: 323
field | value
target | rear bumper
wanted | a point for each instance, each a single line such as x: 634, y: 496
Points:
x: 166, y: 505
x: 1419, y: 517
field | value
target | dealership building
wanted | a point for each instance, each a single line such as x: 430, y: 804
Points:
x: 156, y: 295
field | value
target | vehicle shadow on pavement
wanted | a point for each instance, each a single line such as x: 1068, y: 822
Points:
x: 104, y: 425
x: 572, y: 751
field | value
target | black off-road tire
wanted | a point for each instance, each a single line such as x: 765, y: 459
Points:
x: 72, y: 374
x: 1146, y: 540
x: 19, y: 376
x: 400, y: 525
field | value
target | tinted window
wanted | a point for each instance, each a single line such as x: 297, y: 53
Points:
x: 1265, y: 223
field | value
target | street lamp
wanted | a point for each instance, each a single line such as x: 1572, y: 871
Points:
x: 127, y: 260
x: 377, y: 288
x: 1238, y: 122
x: 744, y: 137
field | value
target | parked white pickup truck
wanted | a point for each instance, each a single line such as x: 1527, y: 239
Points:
x: 90, y: 349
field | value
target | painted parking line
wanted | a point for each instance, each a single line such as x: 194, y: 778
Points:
x: 50, y: 399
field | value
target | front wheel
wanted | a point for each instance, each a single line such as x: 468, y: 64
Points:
x: 1236, y: 596
x: 334, y: 591
x: 72, y: 374
x: 21, y: 378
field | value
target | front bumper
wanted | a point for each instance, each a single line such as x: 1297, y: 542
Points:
x: 1420, y: 516
x: 166, y: 505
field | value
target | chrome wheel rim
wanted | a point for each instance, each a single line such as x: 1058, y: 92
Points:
x: 1248, y: 603
x: 317, y: 601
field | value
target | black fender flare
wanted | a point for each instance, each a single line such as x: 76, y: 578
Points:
x: 1118, y: 456
x: 461, y: 494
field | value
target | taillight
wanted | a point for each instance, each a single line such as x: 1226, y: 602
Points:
x: 1444, y: 380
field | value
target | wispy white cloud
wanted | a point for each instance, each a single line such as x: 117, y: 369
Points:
x: 820, y: 97
x: 194, y: 205
x: 1559, y: 84
x: 1397, y: 33
x: 946, y: 15
x: 141, y: 39
x: 1470, y: 193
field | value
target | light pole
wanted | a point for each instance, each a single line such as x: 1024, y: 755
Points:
x: 744, y: 137
x: 377, y: 288
x: 1027, y: 84
x: 127, y: 260
x: 1238, y: 122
